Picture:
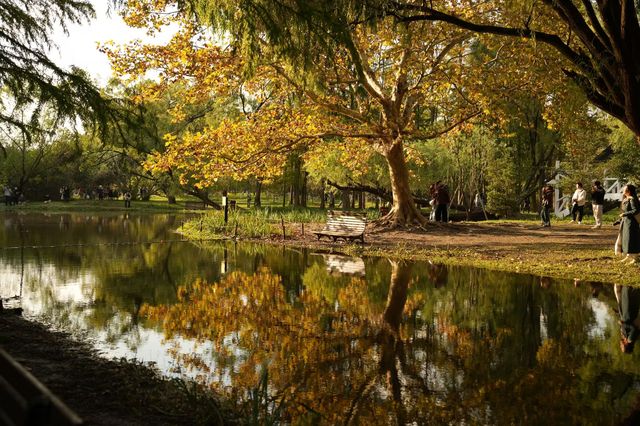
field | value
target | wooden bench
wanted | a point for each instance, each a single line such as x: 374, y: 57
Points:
x: 345, y: 225
x: 26, y: 401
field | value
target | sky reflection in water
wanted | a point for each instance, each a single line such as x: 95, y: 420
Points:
x: 342, y: 339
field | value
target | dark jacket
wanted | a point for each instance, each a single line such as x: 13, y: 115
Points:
x: 630, y: 229
x: 597, y: 196
x: 442, y: 195
x: 547, y: 196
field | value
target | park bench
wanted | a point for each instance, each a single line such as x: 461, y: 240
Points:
x: 26, y: 401
x: 345, y: 225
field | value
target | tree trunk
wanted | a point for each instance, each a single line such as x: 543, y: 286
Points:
x: 257, y: 203
x: 346, y: 200
x: 284, y: 192
x: 404, y: 210
x: 304, y: 191
x: 322, y: 193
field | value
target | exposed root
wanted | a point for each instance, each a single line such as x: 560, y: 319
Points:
x: 395, y: 219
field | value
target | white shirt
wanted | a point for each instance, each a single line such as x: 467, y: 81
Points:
x: 579, y: 197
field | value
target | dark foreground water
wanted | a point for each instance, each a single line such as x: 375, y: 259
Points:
x: 323, y: 338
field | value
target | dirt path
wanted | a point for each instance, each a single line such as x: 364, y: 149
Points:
x: 561, y: 251
x: 506, y: 236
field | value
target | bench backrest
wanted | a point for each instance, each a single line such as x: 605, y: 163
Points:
x: 346, y: 222
x: 26, y: 401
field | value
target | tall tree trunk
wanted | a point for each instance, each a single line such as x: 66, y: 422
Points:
x: 304, y: 190
x: 322, y: 193
x: 258, y: 195
x: 404, y: 210
x: 346, y: 200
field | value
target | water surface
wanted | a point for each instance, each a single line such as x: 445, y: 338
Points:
x: 334, y: 339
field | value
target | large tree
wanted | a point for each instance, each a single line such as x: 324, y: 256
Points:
x: 599, y: 39
x: 331, y: 78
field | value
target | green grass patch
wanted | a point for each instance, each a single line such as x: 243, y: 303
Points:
x: 254, y: 223
x: 95, y: 206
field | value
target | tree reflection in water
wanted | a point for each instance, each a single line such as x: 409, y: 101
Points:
x: 430, y: 353
x: 400, y: 343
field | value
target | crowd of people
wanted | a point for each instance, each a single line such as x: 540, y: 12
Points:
x: 14, y: 196
x: 628, y: 241
x: 578, y: 202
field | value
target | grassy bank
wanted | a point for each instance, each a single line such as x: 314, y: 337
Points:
x: 565, y: 251
x: 587, y: 265
x: 152, y: 206
x: 266, y: 223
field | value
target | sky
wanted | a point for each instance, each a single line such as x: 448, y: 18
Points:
x: 79, y: 47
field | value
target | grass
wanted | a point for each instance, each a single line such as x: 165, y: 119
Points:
x: 254, y: 223
x: 154, y: 205
x: 579, y: 262
x: 583, y: 264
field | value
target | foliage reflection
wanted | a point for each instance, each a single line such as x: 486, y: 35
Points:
x: 444, y: 346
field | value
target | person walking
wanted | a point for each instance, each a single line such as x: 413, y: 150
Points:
x: 547, y: 203
x: 579, y: 199
x: 442, y: 202
x: 597, y: 203
x: 629, y: 227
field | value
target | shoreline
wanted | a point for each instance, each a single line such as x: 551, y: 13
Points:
x: 134, y: 393
x: 104, y: 391
x: 563, y: 251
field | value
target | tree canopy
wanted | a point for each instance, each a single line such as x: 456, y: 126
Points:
x: 29, y: 77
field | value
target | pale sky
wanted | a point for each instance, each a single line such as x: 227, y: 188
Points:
x: 79, y: 48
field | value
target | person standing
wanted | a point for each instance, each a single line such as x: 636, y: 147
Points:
x: 127, y: 199
x: 597, y: 202
x: 7, y: 195
x: 629, y: 227
x: 432, y: 201
x: 442, y: 202
x: 547, y: 203
x: 579, y: 199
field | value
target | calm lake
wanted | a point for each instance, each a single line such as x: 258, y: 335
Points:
x: 325, y: 338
